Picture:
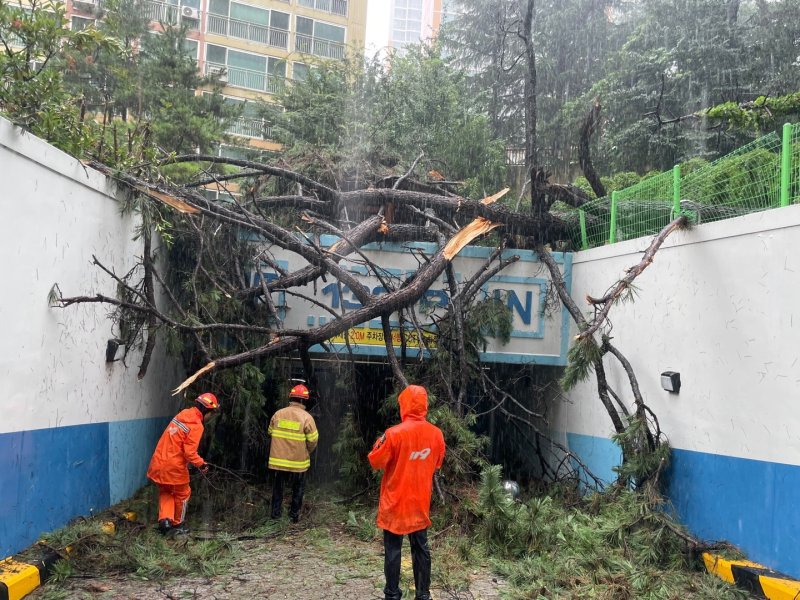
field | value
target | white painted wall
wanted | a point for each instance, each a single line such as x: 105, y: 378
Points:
x: 721, y: 305
x: 55, y: 215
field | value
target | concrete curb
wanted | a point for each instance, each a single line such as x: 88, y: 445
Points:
x: 753, y: 577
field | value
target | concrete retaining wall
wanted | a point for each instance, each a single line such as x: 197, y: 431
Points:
x: 720, y: 305
x: 76, y: 433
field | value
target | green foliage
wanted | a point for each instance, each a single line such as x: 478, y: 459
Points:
x: 612, y: 544
x: 113, y: 92
x: 348, y: 121
x: 642, y: 463
x: 362, y: 526
x: 642, y: 60
x: 761, y: 114
x: 351, y: 450
x: 180, y: 120
x: 134, y: 549
x: 581, y: 358
x: 62, y: 571
x: 747, y: 180
x: 489, y: 318
x: 33, y: 93
x: 465, y: 449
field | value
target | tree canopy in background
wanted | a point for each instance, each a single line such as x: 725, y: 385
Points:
x: 655, y: 66
x: 115, y: 92
x: 367, y: 117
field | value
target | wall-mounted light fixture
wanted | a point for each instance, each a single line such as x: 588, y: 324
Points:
x: 671, y: 381
x: 112, y: 349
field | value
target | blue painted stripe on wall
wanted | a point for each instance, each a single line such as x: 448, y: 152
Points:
x: 47, y: 477
x: 600, y: 455
x: 750, y: 503
x: 130, y: 446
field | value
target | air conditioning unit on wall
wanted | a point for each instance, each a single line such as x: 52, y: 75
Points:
x: 221, y: 73
x: 187, y: 12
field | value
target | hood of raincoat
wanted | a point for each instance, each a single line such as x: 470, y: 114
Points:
x: 413, y: 403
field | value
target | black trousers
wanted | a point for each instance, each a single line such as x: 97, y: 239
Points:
x: 298, y: 483
x: 420, y: 561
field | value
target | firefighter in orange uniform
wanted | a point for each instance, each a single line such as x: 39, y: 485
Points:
x: 169, y: 467
x: 409, y: 454
x: 294, y: 437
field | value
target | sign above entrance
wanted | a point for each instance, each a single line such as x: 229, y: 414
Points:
x: 540, y: 329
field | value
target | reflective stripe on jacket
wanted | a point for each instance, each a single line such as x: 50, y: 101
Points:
x: 409, y: 454
x: 294, y: 437
x: 177, y: 448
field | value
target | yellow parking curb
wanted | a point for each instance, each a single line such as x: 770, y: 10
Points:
x: 753, y: 577
x: 17, y: 579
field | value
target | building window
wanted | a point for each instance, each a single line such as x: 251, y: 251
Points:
x: 190, y: 48
x: 321, y: 39
x: 299, y: 71
x: 234, y: 19
x: 80, y: 23
x: 245, y: 70
x: 407, y: 22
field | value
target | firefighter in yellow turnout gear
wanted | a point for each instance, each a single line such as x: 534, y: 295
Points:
x: 294, y: 436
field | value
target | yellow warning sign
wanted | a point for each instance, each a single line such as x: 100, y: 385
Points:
x: 369, y: 336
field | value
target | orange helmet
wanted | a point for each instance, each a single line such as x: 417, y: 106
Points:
x: 299, y: 391
x: 208, y: 400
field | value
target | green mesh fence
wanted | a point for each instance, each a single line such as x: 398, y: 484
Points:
x: 794, y: 168
x: 761, y: 175
x: 597, y: 215
x: 645, y: 208
x: 746, y: 180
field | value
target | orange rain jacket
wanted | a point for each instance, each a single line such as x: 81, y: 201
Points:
x: 177, y: 448
x: 409, y: 453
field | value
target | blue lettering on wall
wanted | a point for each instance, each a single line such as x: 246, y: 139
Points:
x: 514, y: 304
x: 332, y: 289
x: 349, y: 304
x: 437, y: 297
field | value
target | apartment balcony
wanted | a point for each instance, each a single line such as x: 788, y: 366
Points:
x: 277, y: 38
x: 247, y: 79
x: 171, y: 14
x: 91, y: 6
x: 515, y: 156
x: 250, y: 127
x: 334, y: 7
x: 318, y: 47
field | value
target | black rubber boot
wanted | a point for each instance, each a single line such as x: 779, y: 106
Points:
x: 164, y: 526
x: 180, y: 529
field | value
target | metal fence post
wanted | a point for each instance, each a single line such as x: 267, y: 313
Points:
x: 676, y: 191
x: 786, y: 163
x: 584, y: 239
x: 612, y: 234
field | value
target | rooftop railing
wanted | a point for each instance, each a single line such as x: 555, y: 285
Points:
x: 335, y: 7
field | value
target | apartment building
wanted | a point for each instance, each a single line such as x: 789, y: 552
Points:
x: 255, y: 45
x: 415, y: 21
